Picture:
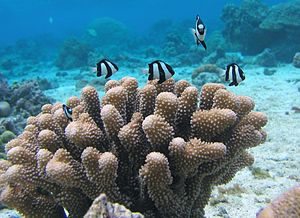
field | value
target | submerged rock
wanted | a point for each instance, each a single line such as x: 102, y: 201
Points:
x: 266, y: 58
x: 296, y: 60
x: 5, y: 109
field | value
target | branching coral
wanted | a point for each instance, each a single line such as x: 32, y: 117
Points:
x: 155, y: 149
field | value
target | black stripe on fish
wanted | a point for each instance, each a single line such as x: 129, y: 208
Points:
x: 99, y: 69
x: 115, y: 66
x: 241, y: 73
x: 110, y: 68
x: 68, y: 112
x: 170, y: 69
x: 227, y: 73
x: 165, y: 71
x: 162, y: 73
x: 203, y: 44
x: 235, y: 74
x: 198, y: 22
x: 150, y: 77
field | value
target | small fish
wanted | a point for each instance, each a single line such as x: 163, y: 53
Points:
x: 92, y: 32
x: 160, y: 70
x: 199, y: 32
x: 106, y: 67
x: 68, y: 112
x: 235, y: 74
x: 50, y: 20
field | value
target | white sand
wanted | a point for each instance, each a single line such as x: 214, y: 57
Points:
x: 280, y: 155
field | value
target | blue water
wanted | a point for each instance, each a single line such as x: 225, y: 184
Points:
x: 21, y: 19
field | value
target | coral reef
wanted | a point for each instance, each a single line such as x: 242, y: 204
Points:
x: 101, y: 32
x: 207, y: 73
x: 283, y: 16
x: 241, y: 26
x: 73, y: 53
x: 27, y: 97
x: 174, y: 45
x: 286, y: 205
x: 21, y: 100
x: 250, y: 27
x: 102, y: 208
x: 156, y: 150
x: 27, y: 51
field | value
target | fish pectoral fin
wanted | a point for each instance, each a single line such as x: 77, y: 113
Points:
x: 222, y: 73
x: 193, y: 31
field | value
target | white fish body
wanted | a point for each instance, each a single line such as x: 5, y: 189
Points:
x: 194, y: 33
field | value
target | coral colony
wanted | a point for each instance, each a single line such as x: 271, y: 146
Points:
x: 157, y: 150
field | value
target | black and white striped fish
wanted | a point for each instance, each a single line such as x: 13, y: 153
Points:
x: 160, y: 70
x: 199, y: 32
x: 106, y: 67
x: 234, y: 74
x: 68, y: 112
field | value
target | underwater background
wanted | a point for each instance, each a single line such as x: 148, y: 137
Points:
x: 48, y: 47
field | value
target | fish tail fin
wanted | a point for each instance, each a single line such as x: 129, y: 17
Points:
x: 193, y: 31
x: 203, y: 44
x: 222, y: 73
x: 92, y: 69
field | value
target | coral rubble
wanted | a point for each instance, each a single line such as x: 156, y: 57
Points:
x: 156, y: 150
x: 102, y: 208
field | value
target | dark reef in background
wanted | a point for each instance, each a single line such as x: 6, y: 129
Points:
x: 73, y: 53
x: 253, y: 26
x: 28, y: 51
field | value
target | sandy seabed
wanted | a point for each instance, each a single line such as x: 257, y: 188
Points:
x: 278, y: 157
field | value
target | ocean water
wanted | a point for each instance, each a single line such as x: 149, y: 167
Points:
x: 49, y: 49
